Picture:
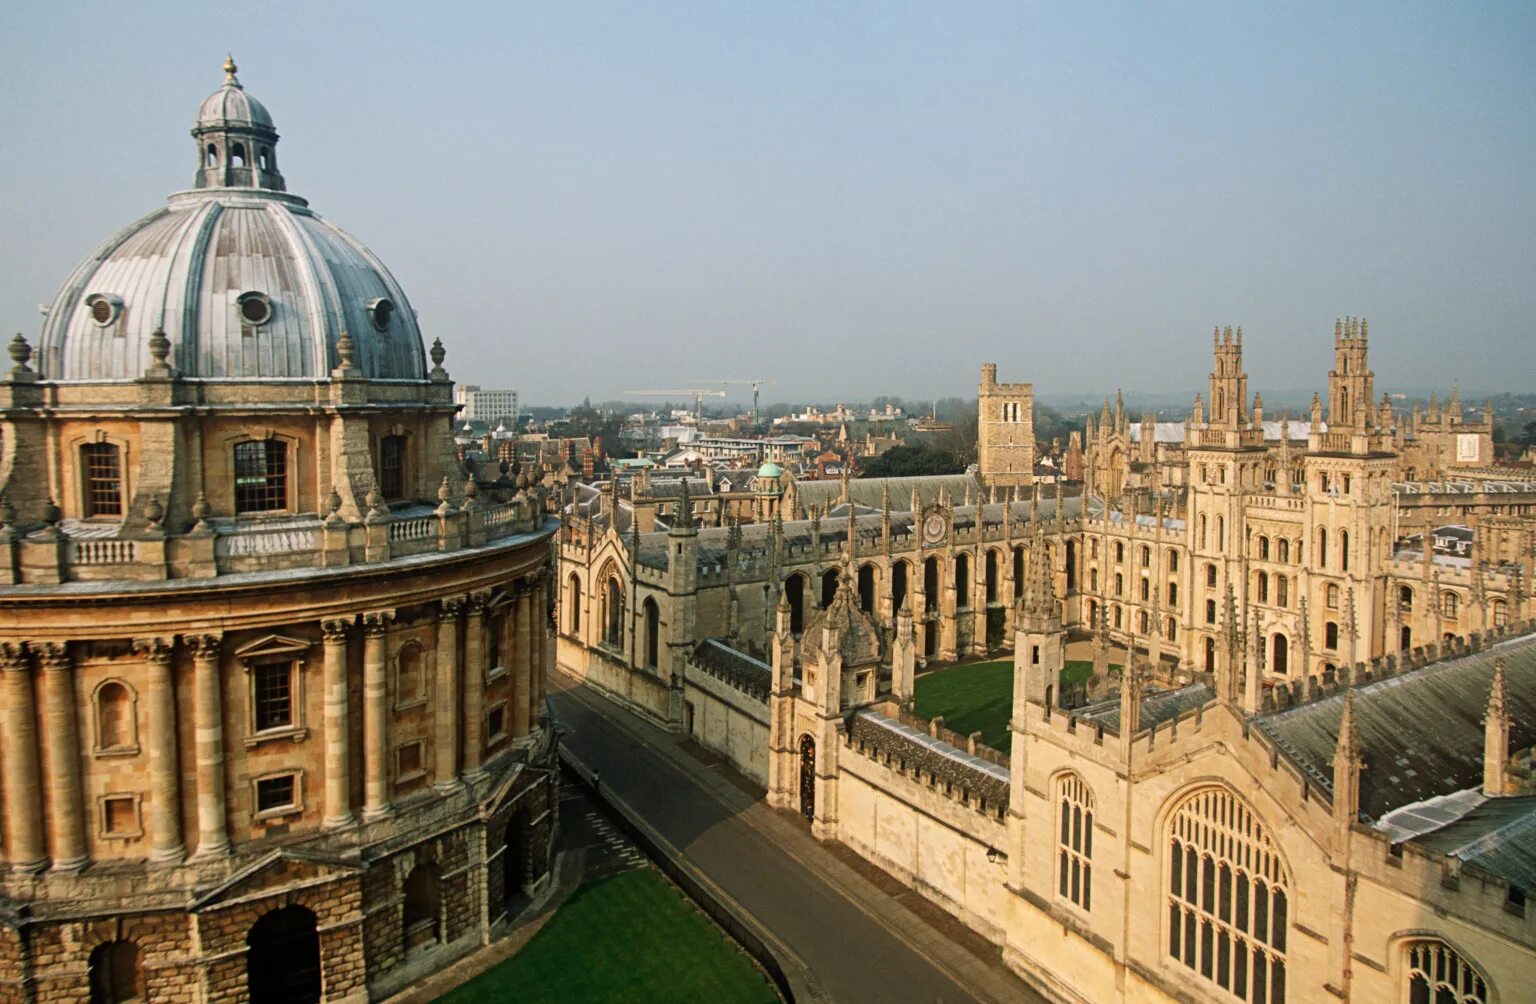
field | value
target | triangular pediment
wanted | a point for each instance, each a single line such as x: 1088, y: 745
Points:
x: 272, y: 645
x: 275, y: 871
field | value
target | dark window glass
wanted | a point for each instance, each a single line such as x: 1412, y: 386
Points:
x: 392, y: 467
x: 274, y: 696
x: 103, y: 479
x: 275, y: 793
x: 261, y: 476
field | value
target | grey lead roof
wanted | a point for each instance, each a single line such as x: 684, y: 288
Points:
x: 1499, y: 836
x: 1421, y: 732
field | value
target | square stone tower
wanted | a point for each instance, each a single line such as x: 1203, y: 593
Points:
x: 1005, y: 433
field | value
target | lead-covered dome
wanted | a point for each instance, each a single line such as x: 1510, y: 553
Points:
x: 246, y: 280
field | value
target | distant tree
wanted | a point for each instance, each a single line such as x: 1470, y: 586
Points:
x: 911, y: 461
x: 1528, y: 434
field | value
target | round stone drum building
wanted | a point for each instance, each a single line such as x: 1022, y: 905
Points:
x: 270, y: 666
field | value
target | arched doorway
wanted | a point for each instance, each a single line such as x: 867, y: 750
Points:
x: 115, y: 973
x: 282, y: 961
x: 1210, y: 655
x: 514, y: 863
x: 1281, y: 662
x: 420, y: 923
x: 807, y: 776
x: 652, y: 633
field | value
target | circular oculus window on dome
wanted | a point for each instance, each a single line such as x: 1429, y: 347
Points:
x: 379, y: 312
x: 255, y: 308
x: 104, y: 308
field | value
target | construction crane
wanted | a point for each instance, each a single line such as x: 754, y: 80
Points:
x: 697, y: 393
x: 753, y: 383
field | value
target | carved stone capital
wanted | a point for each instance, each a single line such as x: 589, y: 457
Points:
x: 53, y: 655
x: 153, y: 649
x: 335, y: 630
x: 477, y: 601
x: 14, y: 655
x: 376, y: 622
x: 452, y: 606
x: 204, y: 646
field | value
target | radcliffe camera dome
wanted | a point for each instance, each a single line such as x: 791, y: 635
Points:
x: 247, y: 282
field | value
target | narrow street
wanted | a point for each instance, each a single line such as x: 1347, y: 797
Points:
x: 860, y: 942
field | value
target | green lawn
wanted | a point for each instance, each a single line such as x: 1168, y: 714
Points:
x: 630, y: 937
x: 979, y: 697
x: 973, y: 698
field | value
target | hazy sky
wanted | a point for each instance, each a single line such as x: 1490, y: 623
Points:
x: 852, y: 199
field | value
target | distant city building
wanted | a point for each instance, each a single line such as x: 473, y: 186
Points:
x: 489, y: 406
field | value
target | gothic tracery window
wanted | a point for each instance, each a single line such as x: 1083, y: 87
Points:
x: 1074, y: 852
x: 1228, y: 898
x: 1437, y: 974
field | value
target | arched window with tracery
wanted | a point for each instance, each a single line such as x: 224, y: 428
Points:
x: 1074, y: 850
x: 1228, y: 897
x: 613, y: 611
x: 573, y: 604
x: 1437, y: 974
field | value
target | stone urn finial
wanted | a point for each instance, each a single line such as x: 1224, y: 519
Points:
x: 375, y: 503
x: 201, y: 510
x: 21, y: 354
x: 159, y: 346
x: 154, y: 511
x: 470, y: 488
x: 443, y: 490
x: 438, y: 354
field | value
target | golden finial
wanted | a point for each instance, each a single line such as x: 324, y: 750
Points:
x: 229, y: 69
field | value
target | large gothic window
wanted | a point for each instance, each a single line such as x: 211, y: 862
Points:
x: 1436, y: 974
x: 1228, y: 897
x: 1074, y: 851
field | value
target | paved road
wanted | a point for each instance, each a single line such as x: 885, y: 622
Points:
x: 855, y: 957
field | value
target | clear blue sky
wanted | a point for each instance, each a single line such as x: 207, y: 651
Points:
x: 853, y: 199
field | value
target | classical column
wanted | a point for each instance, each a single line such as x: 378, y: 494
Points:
x: 338, y: 737
x: 165, y: 845
x: 542, y: 646
x: 445, y: 708
x: 474, y: 682
x: 23, y: 799
x: 522, y: 660
x: 208, y: 723
x: 61, y: 734
x: 375, y: 714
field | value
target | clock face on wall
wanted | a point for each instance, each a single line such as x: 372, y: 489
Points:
x: 933, y: 528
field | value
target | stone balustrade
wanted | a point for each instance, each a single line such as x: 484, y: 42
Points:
x: 51, y: 555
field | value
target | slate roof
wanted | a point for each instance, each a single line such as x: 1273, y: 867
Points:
x: 922, y: 751
x: 738, y: 669
x: 1421, y: 732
